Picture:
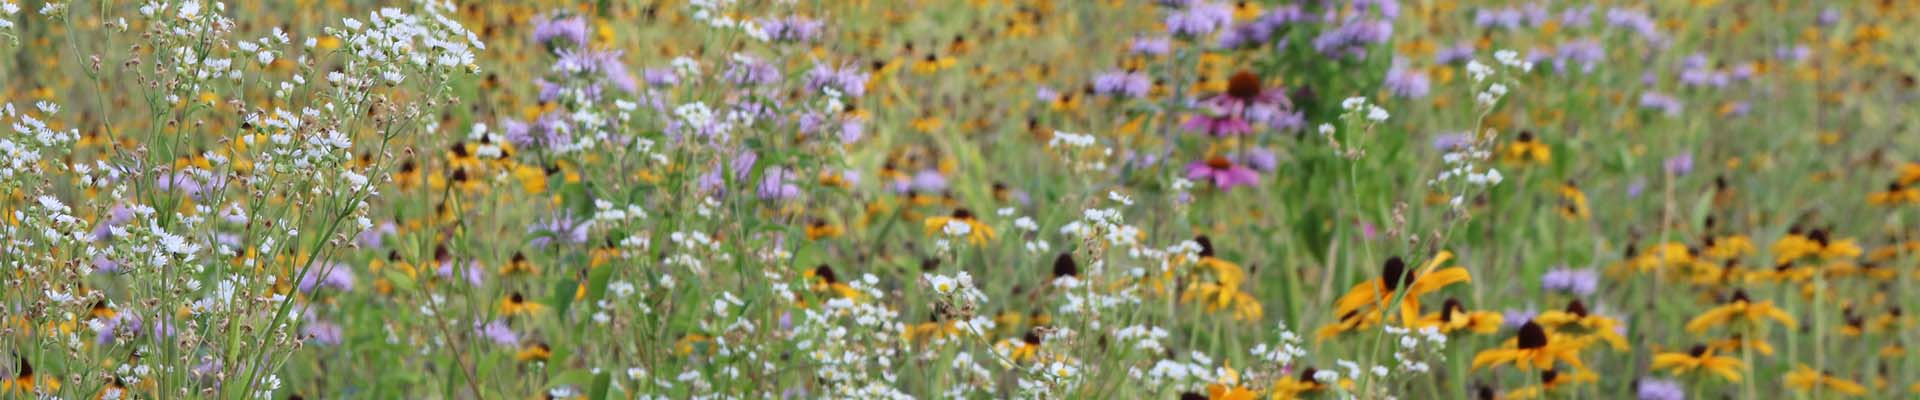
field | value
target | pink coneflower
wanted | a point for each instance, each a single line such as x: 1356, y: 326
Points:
x: 1222, y: 172
x: 1227, y: 114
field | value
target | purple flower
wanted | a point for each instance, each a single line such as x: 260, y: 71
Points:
x: 336, y: 276
x: 1459, y: 52
x: 1229, y: 113
x: 1680, y: 165
x: 1828, y: 17
x: 1638, y: 22
x: 1661, y: 102
x: 776, y: 183
x: 560, y: 227
x: 499, y: 333
x: 1577, y: 17
x: 376, y: 238
x: 1586, y: 53
x: 116, y: 217
x: 791, y: 29
x: 1410, y: 83
x: 547, y: 30
x: 749, y: 70
x: 1352, y: 37
x: 1261, y: 30
x: 1635, y: 187
x: 1128, y: 84
x: 660, y: 77
x: 1260, y: 159
x: 1199, y: 19
x: 1222, y: 172
x: 1660, y: 389
x: 1152, y: 46
x: 606, y: 64
x: 1579, y: 282
x: 474, y: 272
x: 1514, y: 318
x: 1452, y: 141
x: 1502, y: 18
x: 1045, y: 94
x: 929, y: 181
x: 848, y: 80
x: 323, y: 332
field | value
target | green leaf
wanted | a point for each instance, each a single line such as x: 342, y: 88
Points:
x: 601, y: 383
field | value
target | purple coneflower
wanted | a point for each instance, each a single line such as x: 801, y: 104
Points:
x: 1226, y: 114
x: 1222, y: 172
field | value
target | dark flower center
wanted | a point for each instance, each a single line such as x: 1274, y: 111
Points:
x: 1206, y: 245
x: 1064, y: 266
x: 1577, y: 308
x: 1697, y: 351
x: 1244, y: 86
x: 1395, y: 273
x: 1532, y: 336
x: 1218, y: 162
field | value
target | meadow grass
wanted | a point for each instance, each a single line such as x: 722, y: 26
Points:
x: 1654, y: 199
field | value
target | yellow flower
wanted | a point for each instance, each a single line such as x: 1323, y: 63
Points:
x: 1532, y: 349
x: 1739, y: 310
x: 519, y: 265
x: 1375, y: 292
x: 1738, y: 342
x: 516, y: 304
x: 24, y: 381
x: 1454, y: 317
x: 1584, y: 327
x: 1813, y: 244
x: 1290, y: 388
x: 1699, y: 359
x: 819, y: 228
x: 1526, y: 150
x: 535, y: 351
x: 975, y: 232
x: 1805, y: 378
x: 1573, y: 203
x: 1550, y: 380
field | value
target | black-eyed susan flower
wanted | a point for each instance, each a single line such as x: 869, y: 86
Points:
x: 1577, y: 323
x: 1550, y: 382
x: 1374, y: 294
x: 1815, y: 243
x: 1526, y: 149
x: 1297, y: 387
x: 516, y: 304
x: 1532, y: 349
x: 1805, y: 379
x: 534, y: 352
x: 519, y: 266
x: 1741, y: 343
x: 821, y: 229
x: 1740, y: 311
x: 1699, y: 359
x: 1573, y: 202
x: 24, y: 380
x: 1453, y: 316
x: 961, y: 224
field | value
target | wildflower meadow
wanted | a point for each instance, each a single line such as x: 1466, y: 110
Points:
x: 979, y: 199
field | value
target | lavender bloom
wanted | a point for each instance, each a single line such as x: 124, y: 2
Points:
x: 1123, y: 83
x: 474, y: 272
x: 1639, y: 23
x: 1660, y: 389
x: 604, y: 63
x: 1579, y: 282
x: 1535, y: 13
x: 335, y: 276
x: 499, y: 333
x: 1828, y: 17
x: 776, y: 183
x: 1390, y: 9
x: 1153, y: 46
x: 376, y: 238
x: 1586, y: 53
x: 1739, y: 108
x: 1286, y: 121
x: 1664, y: 103
x: 1406, y: 82
x: 560, y: 227
x: 1352, y: 38
x: 1797, y: 53
x: 848, y: 80
x: 546, y: 30
x: 1514, y: 318
x: 1637, y: 186
x: 1260, y: 159
x: 748, y: 70
x: 1459, y: 52
x: 1680, y: 165
x: 660, y: 77
x: 323, y: 332
x: 1199, y: 19
x: 1577, y: 17
x: 116, y: 217
x: 1045, y: 94
x: 1260, y: 31
x: 1452, y: 141
x: 791, y: 29
x: 1501, y: 18
x: 929, y: 181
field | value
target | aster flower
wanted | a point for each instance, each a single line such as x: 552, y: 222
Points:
x: 560, y: 32
x: 793, y: 28
x: 1579, y: 282
x: 1130, y: 84
x: 1222, y: 172
x: 1410, y: 83
x: 1660, y: 389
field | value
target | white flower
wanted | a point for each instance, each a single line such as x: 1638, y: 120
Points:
x: 957, y: 228
x: 942, y: 284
